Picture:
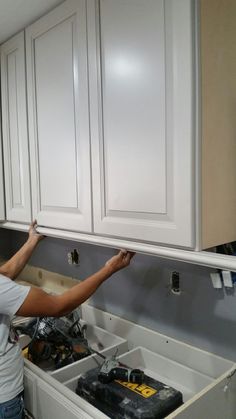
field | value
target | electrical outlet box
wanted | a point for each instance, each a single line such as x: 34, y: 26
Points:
x: 73, y: 257
x: 175, y: 283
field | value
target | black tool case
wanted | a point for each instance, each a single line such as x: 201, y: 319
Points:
x: 119, y: 399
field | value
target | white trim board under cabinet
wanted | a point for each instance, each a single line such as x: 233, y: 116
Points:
x: 15, y: 130
x: 141, y: 71
x: 56, y: 52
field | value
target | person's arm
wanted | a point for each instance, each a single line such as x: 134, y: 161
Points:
x: 14, y: 266
x: 39, y: 303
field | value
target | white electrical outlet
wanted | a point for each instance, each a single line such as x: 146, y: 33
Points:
x: 227, y: 279
x: 69, y: 258
x: 216, y: 280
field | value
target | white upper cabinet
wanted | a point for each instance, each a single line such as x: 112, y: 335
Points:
x: 15, y: 130
x: 141, y: 104
x: 125, y: 139
x: 58, y: 118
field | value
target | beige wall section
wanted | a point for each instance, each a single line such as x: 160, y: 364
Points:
x: 218, y: 61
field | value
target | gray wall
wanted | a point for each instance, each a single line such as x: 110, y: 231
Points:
x: 201, y: 315
x: 5, y: 243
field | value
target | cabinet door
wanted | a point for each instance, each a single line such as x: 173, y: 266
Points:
x: 58, y: 118
x: 2, y: 198
x: 15, y: 130
x: 141, y: 87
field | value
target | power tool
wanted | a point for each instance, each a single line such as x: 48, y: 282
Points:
x: 112, y: 369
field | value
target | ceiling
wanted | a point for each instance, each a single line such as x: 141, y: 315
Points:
x: 15, y: 15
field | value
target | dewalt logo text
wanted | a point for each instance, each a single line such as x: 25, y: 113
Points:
x: 141, y: 389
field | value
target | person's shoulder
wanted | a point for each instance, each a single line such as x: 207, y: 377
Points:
x: 4, y: 278
x: 5, y: 282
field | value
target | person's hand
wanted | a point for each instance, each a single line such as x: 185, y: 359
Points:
x: 120, y: 261
x: 33, y: 234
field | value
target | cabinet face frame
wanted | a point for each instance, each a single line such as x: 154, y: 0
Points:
x: 15, y: 130
x: 51, y: 208
x: 2, y: 197
x: 176, y: 227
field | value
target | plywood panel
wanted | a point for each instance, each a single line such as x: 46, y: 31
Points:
x: 218, y: 67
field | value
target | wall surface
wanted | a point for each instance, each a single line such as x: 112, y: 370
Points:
x: 201, y: 316
x: 5, y: 243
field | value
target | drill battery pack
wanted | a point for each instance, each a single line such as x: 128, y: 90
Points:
x: 120, y: 399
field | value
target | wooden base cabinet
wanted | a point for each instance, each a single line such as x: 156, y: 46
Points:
x: 207, y: 381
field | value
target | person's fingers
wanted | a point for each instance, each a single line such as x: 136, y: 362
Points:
x: 121, y: 259
x: 33, y: 224
x: 132, y: 254
x: 128, y: 256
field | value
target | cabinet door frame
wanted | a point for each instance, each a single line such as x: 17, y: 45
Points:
x: 15, y: 130
x: 177, y: 227
x: 78, y: 218
x: 2, y: 196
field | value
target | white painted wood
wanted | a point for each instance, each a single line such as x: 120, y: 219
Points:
x: 119, y: 346
x: 209, y: 259
x: 168, y: 357
x: 30, y: 396
x: 16, y: 15
x: 58, y: 118
x: 15, y: 130
x: 53, y: 405
x: 2, y: 197
x: 198, y: 144
x: 212, y: 403
x: 202, y: 361
x: 53, y: 385
x: 185, y: 380
x: 141, y: 104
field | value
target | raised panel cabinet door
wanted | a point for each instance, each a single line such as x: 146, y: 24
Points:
x: 15, y: 130
x: 58, y: 118
x: 141, y: 103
